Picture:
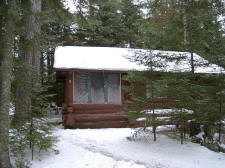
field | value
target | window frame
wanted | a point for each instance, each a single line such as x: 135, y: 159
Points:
x: 120, y: 89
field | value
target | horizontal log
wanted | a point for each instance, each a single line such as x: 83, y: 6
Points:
x: 99, y: 111
x: 102, y: 124
x: 99, y: 106
x: 99, y: 117
x: 134, y: 123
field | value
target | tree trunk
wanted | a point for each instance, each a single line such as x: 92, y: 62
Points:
x: 32, y: 31
x: 5, y: 86
x: 187, y: 35
x: 182, y: 132
x: 154, y: 132
x: 1, y: 34
x: 185, y: 27
x: 42, y: 68
x: 50, y: 62
x: 30, y: 57
x: 192, y: 63
x: 220, y: 123
x: 23, y: 101
x: 36, y: 8
x: 181, y: 137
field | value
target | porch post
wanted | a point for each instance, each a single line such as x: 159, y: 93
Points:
x: 122, y: 93
x: 69, y: 121
x: 69, y: 88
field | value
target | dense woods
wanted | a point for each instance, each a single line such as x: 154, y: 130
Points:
x: 30, y: 30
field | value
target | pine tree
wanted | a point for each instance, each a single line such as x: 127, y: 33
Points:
x: 163, y: 25
x: 38, y: 45
x: 100, y: 25
x: 5, y: 86
x: 146, y: 88
x: 32, y: 129
x: 204, y: 36
x: 192, y: 26
x: 29, y: 55
x: 184, y: 91
x: 55, y: 30
x: 178, y: 26
x: 130, y: 20
x: 209, y: 109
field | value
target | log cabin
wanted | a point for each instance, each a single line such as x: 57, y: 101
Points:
x: 93, y: 78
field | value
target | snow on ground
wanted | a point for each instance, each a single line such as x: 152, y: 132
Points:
x: 166, y: 111
x: 110, y: 148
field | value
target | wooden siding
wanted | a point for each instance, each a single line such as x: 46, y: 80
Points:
x: 94, y: 116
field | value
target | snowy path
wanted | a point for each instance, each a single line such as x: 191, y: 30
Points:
x: 109, y: 148
x: 94, y: 149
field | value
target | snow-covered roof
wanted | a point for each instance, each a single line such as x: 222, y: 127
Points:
x: 122, y: 59
x: 94, y: 58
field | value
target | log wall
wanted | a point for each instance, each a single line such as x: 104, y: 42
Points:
x: 94, y: 116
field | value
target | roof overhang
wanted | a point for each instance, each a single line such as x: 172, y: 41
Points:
x: 111, y: 59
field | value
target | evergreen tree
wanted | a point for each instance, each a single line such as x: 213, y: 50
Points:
x: 37, y: 46
x: 192, y: 26
x: 29, y: 55
x: 55, y: 30
x: 146, y: 88
x: 178, y: 25
x: 32, y: 97
x: 209, y: 110
x: 130, y: 19
x: 5, y: 75
x: 100, y: 25
x: 108, y: 23
x: 163, y: 25
x: 184, y: 92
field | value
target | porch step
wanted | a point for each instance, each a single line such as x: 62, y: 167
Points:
x: 102, y: 124
x: 99, y: 117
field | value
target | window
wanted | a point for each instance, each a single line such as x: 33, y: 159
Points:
x: 81, y: 87
x: 97, y: 87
